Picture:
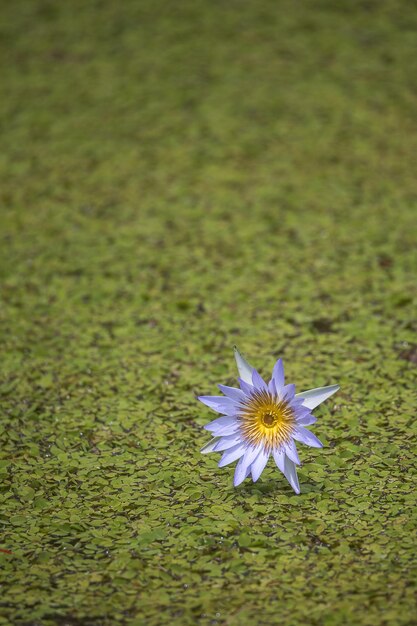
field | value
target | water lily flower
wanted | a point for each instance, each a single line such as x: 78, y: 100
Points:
x: 262, y: 419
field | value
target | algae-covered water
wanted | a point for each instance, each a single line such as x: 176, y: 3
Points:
x: 177, y: 178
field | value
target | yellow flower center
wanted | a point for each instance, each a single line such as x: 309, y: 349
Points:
x: 269, y: 419
x: 266, y: 420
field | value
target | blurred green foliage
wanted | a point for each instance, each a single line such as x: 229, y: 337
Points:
x: 176, y: 178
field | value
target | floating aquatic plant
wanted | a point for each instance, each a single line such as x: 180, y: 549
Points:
x: 262, y: 419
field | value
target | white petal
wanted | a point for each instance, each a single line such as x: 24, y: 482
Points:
x: 314, y: 397
x: 209, y: 447
x: 290, y: 473
x: 244, y: 369
x: 232, y: 454
x: 258, y: 465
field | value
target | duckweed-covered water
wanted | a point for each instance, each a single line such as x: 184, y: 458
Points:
x: 177, y: 178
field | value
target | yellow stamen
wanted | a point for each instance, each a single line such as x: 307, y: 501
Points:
x: 266, y: 420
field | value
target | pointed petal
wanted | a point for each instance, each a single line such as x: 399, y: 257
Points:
x: 306, y: 420
x: 251, y: 454
x: 232, y: 454
x: 244, y: 369
x: 218, y: 424
x: 299, y: 409
x: 296, y: 401
x: 279, y: 458
x: 209, y: 447
x: 228, y: 442
x: 247, y: 388
x: 258, y: 382
x: 291, y: 452
x: 243, y: 467
x: 302, y: 414
x: 287, y: 467
x: 272, y: 388
x: 305, y: 436
x: 278, y: 375
x: 226, y: 431
x: 288, y: 391
x: 258, y: 465
x: 219, y: 404
x: 314, y: 397
x: 231, y: 392
x: 240, y: 472
x: 290, y: 473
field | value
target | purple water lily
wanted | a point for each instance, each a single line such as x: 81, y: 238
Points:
x: 262, y: 419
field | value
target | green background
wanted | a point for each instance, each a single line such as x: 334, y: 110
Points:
x: 176, y: 178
